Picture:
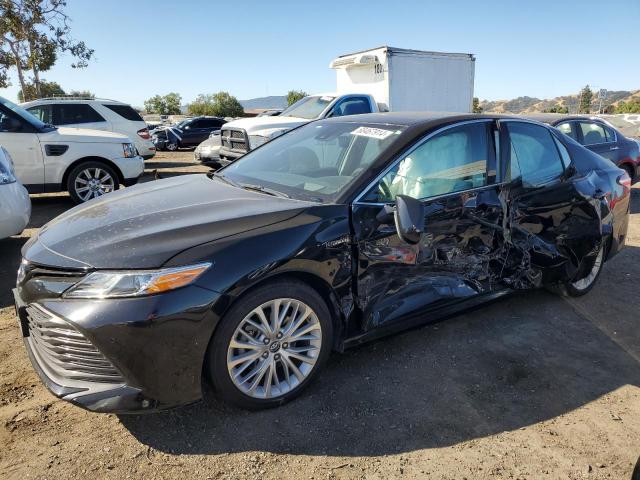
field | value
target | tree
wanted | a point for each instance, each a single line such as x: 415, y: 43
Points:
x: 632, y: 106
x: 586, y: 95
x: 47, y: 89
x: 82, y: 93
x: 556, y: 109
x: 294, y: 95
x: 476, y: 105
x: 219, y: 104
x: 32, y: 33
x: 164, y: 104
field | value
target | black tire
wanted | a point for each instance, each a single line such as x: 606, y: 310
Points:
x: 172, y: 147
x: 630, y: 172
x: 578, y: 288
x: 216, y: 358
x: 77, y: 172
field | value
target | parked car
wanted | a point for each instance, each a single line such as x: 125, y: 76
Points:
x: 86, y: 163
x: 188, y: 133
x: 375, y: 80
x: 15, y: 205
x: 600, y: 137
x: 336, y: 233
x: 208, y: 152
x: 95, y: 114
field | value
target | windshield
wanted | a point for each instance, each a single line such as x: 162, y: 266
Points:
x: 308, y: 107
x: 315, y: 162
x: 18, y: 110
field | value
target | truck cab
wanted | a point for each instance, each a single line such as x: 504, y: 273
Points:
x: 240, y: 136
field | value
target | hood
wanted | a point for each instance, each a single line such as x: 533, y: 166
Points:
x: 83, y: 135
x: 145, y: 225
x: 252, y: 125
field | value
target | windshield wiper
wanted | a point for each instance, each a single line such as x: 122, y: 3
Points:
x: 223, y: 178
x: 261, y: 189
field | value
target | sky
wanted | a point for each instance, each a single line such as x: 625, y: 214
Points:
x: 249, y: 48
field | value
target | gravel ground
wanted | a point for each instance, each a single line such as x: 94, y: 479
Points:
x: 532, y: 386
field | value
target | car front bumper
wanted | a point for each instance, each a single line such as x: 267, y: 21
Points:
x: 15, y: 209
x: 133, y: 355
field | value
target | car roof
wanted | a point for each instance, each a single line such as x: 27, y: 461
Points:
x: 551, y: 118
x: 104, y: 101
x: 422, y: 119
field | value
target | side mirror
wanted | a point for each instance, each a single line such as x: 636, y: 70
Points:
x: 409, y: 219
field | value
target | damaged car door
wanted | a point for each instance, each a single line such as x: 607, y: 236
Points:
x: 453, y: 173
x: 553, y: 224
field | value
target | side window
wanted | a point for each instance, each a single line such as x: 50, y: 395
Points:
x: 41, y: 112
x: 352, y: 106
x: 569, y: 129
x: 72, y: 113
x: 451, y: 161
x: 564, y: 153
x: 534, y: 155
x: 195, y: 124
x: 210, y: 123
x: 611, y: 134
x: 592, y: 133
x: 8, y: 122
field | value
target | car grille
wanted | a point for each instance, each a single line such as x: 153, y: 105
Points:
x: 64, y: 353
x: 234, y: 139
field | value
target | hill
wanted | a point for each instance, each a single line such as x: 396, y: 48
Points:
x: 533, y: 104
x: 273, y: 101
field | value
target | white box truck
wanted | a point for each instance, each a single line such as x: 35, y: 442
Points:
x: 377, y: 80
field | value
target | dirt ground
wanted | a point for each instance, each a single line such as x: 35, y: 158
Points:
x: 532, y: 386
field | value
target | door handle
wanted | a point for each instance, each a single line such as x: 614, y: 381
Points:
x: 614, y: 148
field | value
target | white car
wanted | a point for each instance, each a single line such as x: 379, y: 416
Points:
x: 86, y: 163
x: 96, y: 114
x: 15, y: 205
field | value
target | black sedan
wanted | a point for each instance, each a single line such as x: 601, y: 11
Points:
x: 600, y: 137
x: 337, y: 233
x: 186, y: 134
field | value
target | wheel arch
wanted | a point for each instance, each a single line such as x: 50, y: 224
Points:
x: 75, y: 163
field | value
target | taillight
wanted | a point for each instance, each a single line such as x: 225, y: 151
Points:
x: 144, y: 133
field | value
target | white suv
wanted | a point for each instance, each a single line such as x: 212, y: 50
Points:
x: 86, y: 163
x: 96, y: 114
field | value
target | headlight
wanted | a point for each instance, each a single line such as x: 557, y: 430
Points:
x: 117, y: 284
x: 265, y: 135
x: 129, y: 150
x: 256, y: 140
x: 6, y: 174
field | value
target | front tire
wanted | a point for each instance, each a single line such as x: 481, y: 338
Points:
x: 172, y: 147
x: 90, y: 180
x: 270, y: 345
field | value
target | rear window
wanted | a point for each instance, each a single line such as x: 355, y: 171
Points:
x: 74, y: 113
x: 125, y: 111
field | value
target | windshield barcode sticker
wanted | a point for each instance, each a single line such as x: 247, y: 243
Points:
x: 378, y: 133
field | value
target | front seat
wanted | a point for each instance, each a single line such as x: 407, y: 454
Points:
x: 354, y: 108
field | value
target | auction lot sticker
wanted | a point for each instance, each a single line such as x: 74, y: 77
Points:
x: 378, y: 133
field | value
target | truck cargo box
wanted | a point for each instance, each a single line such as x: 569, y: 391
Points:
x: 409, y: 80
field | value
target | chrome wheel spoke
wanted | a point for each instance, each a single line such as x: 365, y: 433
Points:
x: 274, y: 348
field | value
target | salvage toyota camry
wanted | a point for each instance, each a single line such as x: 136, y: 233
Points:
x: 336, y: 233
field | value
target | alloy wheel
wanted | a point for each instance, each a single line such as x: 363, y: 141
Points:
x: 274, y: 348
x: 585, y: 282
x: 93, y: 182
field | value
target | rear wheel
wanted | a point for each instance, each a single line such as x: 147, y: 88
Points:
x: 90, y: 180
x: 270, y: 345
x: 172, y: 147
x: 582, y: 286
